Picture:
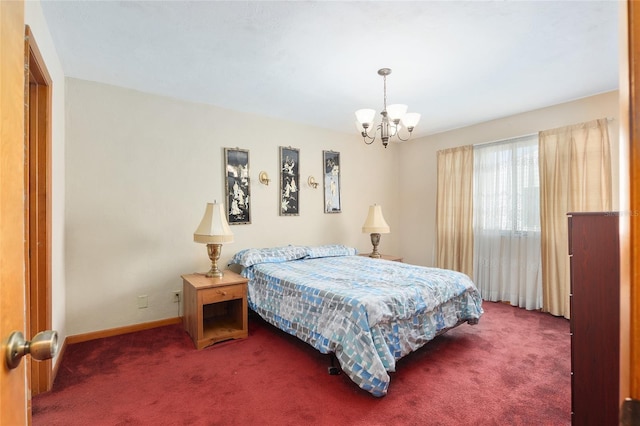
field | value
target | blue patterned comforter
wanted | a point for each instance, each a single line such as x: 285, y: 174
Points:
x: 369, y: 312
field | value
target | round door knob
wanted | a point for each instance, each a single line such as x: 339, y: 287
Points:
x: 44, y: 345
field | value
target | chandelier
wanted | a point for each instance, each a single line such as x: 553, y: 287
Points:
x: 390, y: 125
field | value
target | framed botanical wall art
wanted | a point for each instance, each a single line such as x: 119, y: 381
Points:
x: 236, y: 166
x: 331, y: 161
x: 289, y: 181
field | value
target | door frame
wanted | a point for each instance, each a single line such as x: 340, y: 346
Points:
x: 38, y: 98
x: 632, y: 377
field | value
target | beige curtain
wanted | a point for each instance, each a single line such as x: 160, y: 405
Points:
x: 575, y: 176
x: 454, y: 210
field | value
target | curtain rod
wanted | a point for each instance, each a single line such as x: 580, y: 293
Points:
x: 497, y: 141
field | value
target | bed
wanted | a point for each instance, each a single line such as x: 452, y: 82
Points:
x: 368, y: 312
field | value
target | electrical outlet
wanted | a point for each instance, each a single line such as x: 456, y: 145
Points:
x: 177, y: 296
x: 143, y: 301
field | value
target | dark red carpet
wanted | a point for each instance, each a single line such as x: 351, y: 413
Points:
x: 513, y: 368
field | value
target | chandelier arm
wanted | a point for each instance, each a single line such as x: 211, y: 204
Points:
x: 365, y: 137
x: 400, y: 137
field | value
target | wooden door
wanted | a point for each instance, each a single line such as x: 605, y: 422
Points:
x: 14, y: 398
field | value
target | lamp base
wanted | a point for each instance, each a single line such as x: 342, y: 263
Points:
x: 214, y: 251
x: 375, y: 240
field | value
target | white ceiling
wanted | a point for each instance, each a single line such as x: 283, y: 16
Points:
x: 455, y: 62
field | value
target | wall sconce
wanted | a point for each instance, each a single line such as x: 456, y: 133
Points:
x: 312, y: 182
x: 263, y: 177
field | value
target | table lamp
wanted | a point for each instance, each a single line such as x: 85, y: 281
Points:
x: 213, y: 231
x: 375, y: 225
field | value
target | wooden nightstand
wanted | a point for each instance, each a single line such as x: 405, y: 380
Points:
x: 215, y: 309
x: 385, y: 256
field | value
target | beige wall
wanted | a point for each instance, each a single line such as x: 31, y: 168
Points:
x: 35, y: 19
x: 140, y: 169
x: 417, y: 163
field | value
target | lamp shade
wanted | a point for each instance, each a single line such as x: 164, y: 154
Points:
x: 213, y: 228
x: 375, y: 223
x: 411, y: 119
x: 365, y: 115
x: 396, y: 111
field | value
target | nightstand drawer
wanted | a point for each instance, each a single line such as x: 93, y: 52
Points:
x: 221, y: 294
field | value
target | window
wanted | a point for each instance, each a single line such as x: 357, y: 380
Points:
x: 506, y: 222
x: 507, y: 185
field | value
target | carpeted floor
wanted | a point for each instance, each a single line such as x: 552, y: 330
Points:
x: 513, y: 368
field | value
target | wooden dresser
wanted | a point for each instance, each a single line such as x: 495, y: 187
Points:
x: 595, y: 318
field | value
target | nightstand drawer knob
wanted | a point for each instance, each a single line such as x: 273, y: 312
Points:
x: 223, y: 293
